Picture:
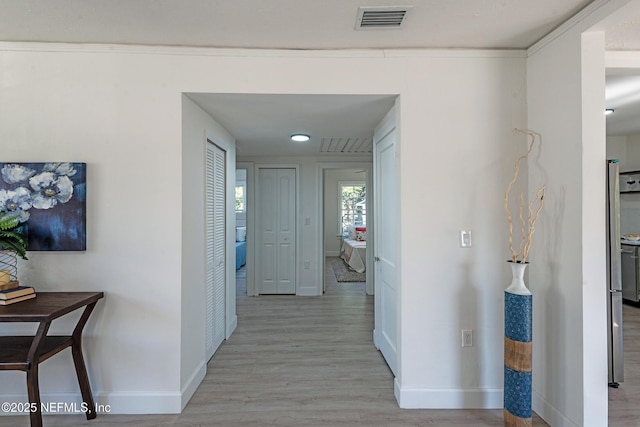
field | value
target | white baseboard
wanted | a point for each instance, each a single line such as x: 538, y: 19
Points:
x: 307, y: 292
x: 152, y: 402
x: 192, y: 384
x: 436, y: 398
x: 549, y: 413
x: 331, y: 253
x: 231, y: 327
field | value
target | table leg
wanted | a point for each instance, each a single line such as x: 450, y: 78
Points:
x: 33, y: 387
x: 83, y: 380
x: 33, y: 390
x: 78, y: 361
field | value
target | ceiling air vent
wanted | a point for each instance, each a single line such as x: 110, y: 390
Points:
x: 381, y: 17
x: 347, y: 145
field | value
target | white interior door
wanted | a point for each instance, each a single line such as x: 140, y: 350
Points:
x: 386, y: 213
x: 276, y: 219
x: 215, y: 248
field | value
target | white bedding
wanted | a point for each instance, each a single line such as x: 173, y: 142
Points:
x: 355, y: 254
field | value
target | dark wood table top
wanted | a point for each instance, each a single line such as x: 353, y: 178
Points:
x: 47, y: 306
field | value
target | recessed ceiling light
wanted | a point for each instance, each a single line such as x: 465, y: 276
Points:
x: 300, y: 137
x: 609, y: 111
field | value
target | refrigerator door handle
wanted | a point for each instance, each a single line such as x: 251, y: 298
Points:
x: 614, y: 261
x: 613, y: 216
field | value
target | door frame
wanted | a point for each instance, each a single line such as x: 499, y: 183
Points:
x: 389, y: 124
x: 249, y: 200
x: 320, y: 260
x: 253, y: 243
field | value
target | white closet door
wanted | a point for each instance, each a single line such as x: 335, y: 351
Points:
x: 276, y: 218
x: 386, y: 246
x: 215, y: 248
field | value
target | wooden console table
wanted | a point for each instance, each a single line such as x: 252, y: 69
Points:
x: 24, y: 353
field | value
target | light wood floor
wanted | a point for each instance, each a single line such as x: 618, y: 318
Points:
x: 296, y: 361
x: 624, y: 402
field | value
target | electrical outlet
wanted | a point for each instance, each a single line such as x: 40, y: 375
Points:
x: 307, y: 265
x: 467, y: 337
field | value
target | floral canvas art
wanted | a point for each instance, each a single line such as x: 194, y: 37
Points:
x: 51, y: 201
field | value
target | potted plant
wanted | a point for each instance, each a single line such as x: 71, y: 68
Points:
x: 12, y: 244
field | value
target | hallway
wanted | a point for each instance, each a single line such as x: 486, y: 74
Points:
x: 296, y: 361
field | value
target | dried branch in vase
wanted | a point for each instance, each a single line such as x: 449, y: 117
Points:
x: 527, y: 225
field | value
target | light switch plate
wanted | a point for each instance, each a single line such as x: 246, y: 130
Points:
x: 465, y: 238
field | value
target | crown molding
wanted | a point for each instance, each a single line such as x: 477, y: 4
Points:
x: 236, y: 52
x: 569, y: 24
x: 622, y: 59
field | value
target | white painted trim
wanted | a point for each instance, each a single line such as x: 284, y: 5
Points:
x: 307, y: 291
x: 622, y: 59
x: 250, y: 206
x: 567, y: 25
x: 192, y: 384
x: 320, y: 168
x: 388, y: 124
x: 448, y: 398
x: 455, y: 53
x: 238, y: 52
x: 549, y: 413
x: 332, y: 253
x: 231, y: 326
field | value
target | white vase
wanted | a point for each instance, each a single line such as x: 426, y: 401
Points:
x: 517, y: 285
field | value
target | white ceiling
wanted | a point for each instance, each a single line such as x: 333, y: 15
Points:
x: 285, y: 24
x: 263, y: 124
x: 300, y: 24
x: 623, y: 96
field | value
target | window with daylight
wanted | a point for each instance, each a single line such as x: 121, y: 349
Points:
x: 353, y: 205
x: 240, y: 199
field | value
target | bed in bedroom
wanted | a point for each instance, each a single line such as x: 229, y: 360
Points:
x: 241, y: 247
x: 241, y: 254
x: 354, y: 248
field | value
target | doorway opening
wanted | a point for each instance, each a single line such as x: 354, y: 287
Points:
x: 343, y: 130
x: 241, y: 231
x: 343, y: 215
x: 622, y: 142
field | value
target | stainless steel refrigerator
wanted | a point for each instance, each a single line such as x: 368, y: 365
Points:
x: 614, y: 277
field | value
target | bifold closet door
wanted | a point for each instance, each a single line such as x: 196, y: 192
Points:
x: 215, y: 219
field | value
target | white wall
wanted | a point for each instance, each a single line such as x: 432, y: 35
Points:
x: 457, y: 144
x: 332, y: 178
x: 567, y: 275
x: 617, y: 149
x: 632, y: 162
x: 120, y: 110
x: 122, y: 117
x: 197, y: 126
x: 556, y: 272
